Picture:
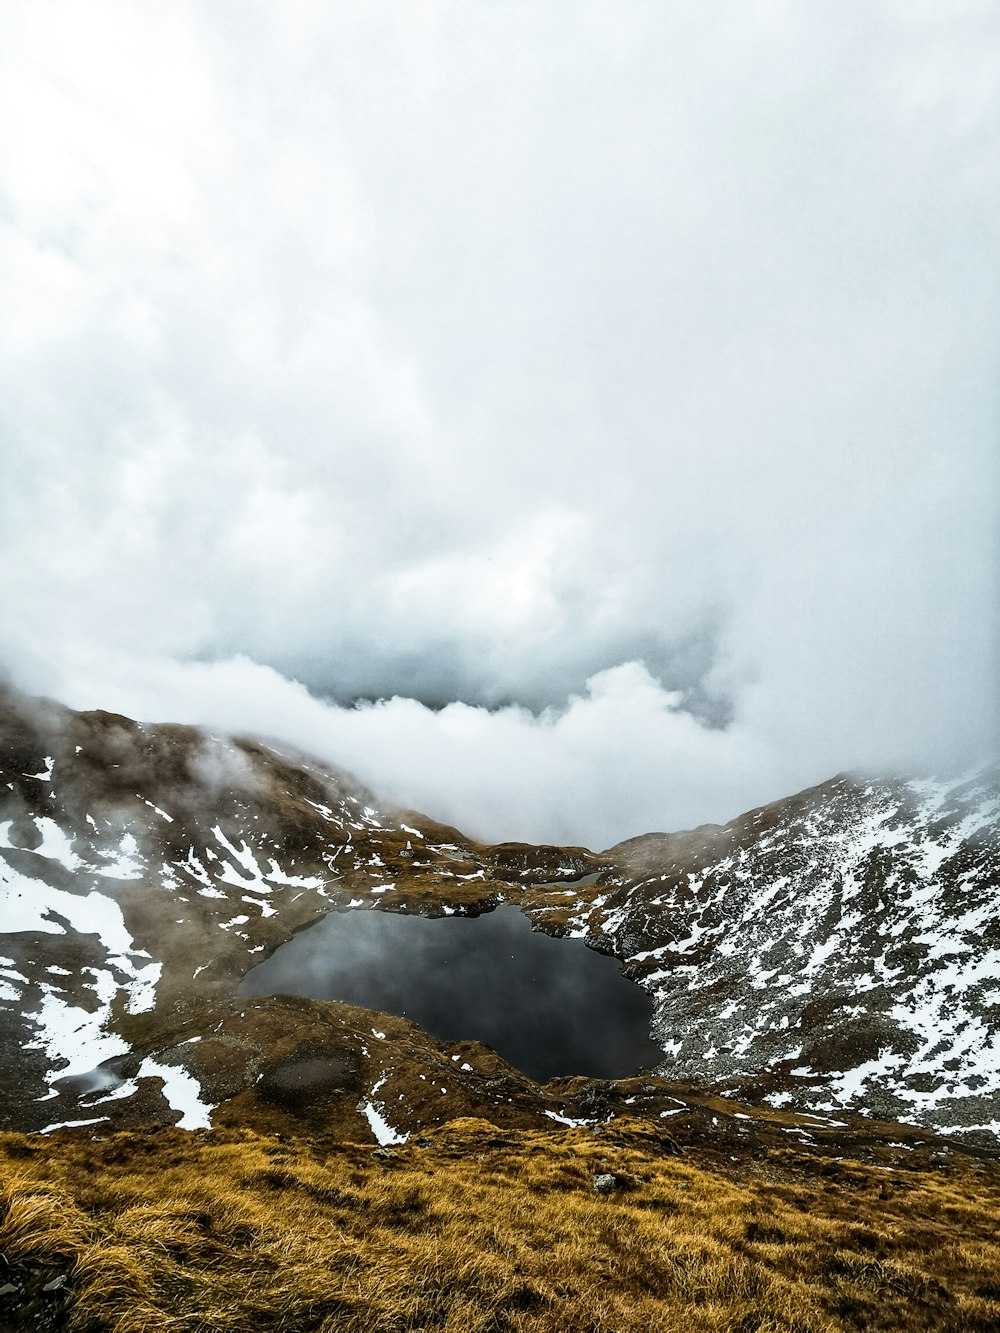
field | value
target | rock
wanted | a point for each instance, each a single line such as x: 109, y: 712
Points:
x: 604, y: 1183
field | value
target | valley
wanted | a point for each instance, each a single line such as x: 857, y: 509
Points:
x: 821, y: 1074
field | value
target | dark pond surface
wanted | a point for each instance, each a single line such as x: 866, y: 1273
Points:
x: 549, y: 1006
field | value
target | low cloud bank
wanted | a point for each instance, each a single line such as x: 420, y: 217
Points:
x: 619, y: 759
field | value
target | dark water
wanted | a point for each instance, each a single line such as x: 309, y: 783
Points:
x: 550, y: 1007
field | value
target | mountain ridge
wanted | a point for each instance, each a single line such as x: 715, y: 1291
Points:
x: 785, y: 951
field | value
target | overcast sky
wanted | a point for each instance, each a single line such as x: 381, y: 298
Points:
x: 608, y: 389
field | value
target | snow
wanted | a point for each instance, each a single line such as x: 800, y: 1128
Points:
x: 324, y: 810
x: 73, y: 1037
x: 832, y: 928
x: 181, y: 1091
x: 265, y: 909
x: 243, y: 856
x: 118, y: 1093
x: 193, y: 867
x: 55, y: 844
x: 142, y: 992
x: 565, y: 1119
x: 124, y: 863
x: 73, y: 1124
x: 776, y: 924
x: 162, y: 813
x: 992, y: 1126
x: 26, y: 905
x: 374, y: 1112
x: 277, y: 876
x: 380, y: 1127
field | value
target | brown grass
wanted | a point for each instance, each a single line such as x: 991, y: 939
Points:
x: 481, y: 1230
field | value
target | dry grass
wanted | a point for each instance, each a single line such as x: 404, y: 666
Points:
x: 480, y: 1230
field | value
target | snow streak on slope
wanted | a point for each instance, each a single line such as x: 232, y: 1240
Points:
x: 144, y: 870
x: 135, y: 859
x: 73, y: 1036
x: 844, y: 943
x: 838, y: 949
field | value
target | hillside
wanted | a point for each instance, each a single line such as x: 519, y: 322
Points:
x: 613, y: 1228
x: 838, y: 950
x: 834, y: 952
x: 178, y: 1154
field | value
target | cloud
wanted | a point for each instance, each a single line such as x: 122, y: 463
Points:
x: 619, y: 759
x: 464, y: 357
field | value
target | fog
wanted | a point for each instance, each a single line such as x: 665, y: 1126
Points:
x: 573, y: 420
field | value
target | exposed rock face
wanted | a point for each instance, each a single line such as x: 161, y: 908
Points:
x: 145, y: 869
x: 838, y: 949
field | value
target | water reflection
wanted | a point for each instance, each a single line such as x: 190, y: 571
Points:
x: 550, y: 1007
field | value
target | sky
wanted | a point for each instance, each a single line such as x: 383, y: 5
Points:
x: 573, y: 419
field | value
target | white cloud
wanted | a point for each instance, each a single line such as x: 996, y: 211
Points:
x: 619, y: 760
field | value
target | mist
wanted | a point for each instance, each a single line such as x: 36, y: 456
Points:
x: 573, y: 423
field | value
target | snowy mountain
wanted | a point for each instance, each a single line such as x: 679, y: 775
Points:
x: 839, y: 949
x: 836, y: 951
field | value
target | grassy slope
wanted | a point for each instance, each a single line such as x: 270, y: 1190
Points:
x: 473, y: 1228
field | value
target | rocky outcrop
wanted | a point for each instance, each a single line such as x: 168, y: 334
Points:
x: 837, y: 951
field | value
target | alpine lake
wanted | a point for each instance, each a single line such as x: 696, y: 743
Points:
x: 550, y: 1007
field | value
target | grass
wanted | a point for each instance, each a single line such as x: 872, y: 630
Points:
x: 474, y: 1230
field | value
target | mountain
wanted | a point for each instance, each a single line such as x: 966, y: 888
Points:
x: 838, y: 950
x: 830, y: 955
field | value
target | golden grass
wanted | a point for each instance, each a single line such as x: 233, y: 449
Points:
x: 479, y: 1231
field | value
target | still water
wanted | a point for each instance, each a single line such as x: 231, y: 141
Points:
x: 549, y: 1006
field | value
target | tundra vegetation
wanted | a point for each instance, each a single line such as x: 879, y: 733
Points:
x: 605, y: 1228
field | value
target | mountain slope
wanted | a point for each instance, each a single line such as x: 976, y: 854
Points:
x: 834, y: 951
x: 145, y: 869
x: 839, y: 949
x: 608, y: 1228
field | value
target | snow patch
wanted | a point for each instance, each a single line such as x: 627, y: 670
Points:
x: 181, y: 1091
x: 374, y: 1112
x: 123, y: 863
